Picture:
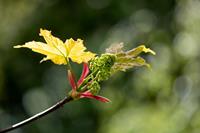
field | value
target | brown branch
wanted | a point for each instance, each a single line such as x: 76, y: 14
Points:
x: 39, y: 115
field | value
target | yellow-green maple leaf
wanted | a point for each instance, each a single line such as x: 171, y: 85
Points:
x: 128, y: 59
x: 57, y: 51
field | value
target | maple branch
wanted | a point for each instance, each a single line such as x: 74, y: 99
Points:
x: 39, y: 115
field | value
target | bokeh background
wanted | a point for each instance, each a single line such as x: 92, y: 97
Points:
x: 162, y: 100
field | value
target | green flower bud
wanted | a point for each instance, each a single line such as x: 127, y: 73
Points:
x: 101, y: 66
x: 94, y: 87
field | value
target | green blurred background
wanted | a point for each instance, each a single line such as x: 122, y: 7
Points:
x: 164, y: 100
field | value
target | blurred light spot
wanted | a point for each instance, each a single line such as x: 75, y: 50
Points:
x: 121, y: 32
x: 186, y: 45
x: 163, y: 57
x: 182, y: 86
x: 187, y: 14
x: 98, y: 4
x: 144, y: 20
x: 16, y: 16
x: 55, y: 82
x: 196, y: 122
x: 148, y: 119
x: 192, y: 69
x: 35, y: 101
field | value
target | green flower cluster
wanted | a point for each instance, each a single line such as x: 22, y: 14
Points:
x: 94, y: 87
x: 101, y: 70
x: 101, y: 66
